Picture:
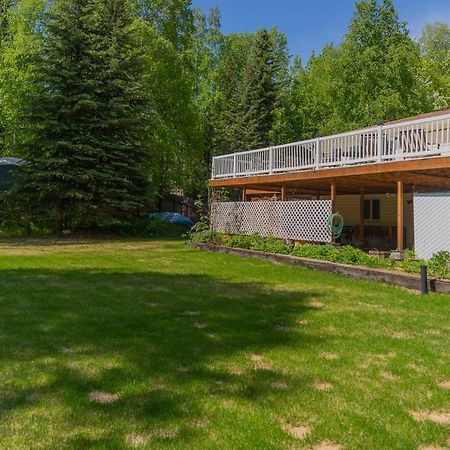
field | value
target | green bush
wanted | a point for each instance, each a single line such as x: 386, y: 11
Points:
x: 411, y: 264
x: 438, y: 264
x: 149, y: 227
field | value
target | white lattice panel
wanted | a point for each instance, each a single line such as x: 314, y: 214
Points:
x: 431, y: 223
x: 298, y: 220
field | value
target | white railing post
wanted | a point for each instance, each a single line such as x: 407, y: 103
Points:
x: 380, y: 142
x: 317, y: 152
x: 213, y: 172
x: 271, y: 160
x: 234, y: 165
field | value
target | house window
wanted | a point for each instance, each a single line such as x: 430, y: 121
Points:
x: 372, y: 209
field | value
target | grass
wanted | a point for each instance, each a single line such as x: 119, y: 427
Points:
x: 152, y: 345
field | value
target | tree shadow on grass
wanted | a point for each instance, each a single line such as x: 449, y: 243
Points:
x: 171, y: 351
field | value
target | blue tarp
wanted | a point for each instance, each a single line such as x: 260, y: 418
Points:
x: 172, y: 217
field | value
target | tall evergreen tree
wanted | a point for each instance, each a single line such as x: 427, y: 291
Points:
x: 228, y: 112
x: 87, y: 166
x: 262, y: 82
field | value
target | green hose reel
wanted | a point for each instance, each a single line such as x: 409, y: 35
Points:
x: 335, y: 225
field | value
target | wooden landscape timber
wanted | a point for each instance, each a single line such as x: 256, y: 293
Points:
x: 404, y: 280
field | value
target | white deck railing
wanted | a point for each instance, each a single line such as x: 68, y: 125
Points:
x: 402, y: 141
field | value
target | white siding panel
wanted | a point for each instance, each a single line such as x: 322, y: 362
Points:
x: 431, y: 223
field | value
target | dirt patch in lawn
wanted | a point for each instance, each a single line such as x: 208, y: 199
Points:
x: 298, y: 431
x: 326, y: 445
x: 329, y: 356
x: 136, y: 440
x: 439, y: 417
x: 260, y: 363
x: 103, y: 397
x: 445, y: 384
x: 322, y: 385
x: 389, y: 376
x: 400, y: 335
x: 315, y: 304
x: 432, y: 447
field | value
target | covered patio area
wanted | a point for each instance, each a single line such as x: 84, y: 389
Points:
x: 364, y: 195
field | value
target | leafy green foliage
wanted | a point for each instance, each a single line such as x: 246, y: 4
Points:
x: 435, y: 48
x: 20, y: 42
x: 438, y: 264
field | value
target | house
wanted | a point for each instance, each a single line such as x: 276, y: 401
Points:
x: 390, y: 183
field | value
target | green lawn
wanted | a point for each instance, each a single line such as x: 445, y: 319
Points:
x: 152, y: 345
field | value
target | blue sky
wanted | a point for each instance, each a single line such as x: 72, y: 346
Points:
x: 311, y: 24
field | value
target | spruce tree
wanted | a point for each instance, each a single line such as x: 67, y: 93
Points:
x: 87, y: 165
x: 260, y: 93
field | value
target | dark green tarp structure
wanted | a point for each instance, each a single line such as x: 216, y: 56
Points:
x: 8, y: 176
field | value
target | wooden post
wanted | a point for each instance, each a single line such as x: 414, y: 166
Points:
x: 333, y: 197
x: 400, y: 214
x: 361, y: 217
x: 244, y: 194
x: 283, y: 193
x: 333, y: 204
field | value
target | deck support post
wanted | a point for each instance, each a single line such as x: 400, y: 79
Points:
x: 399, y: 254
x: 333, y: 197
x: 361, y: 217
x: 283, y: 192
x: 333, y: 204
x: 244, y: 194
x: 400, y: 214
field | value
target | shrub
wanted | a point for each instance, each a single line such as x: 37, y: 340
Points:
x: 411, y: 264
x: 438, y: 264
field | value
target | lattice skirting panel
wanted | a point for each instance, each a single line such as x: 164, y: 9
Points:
x: 431, y: 223
x: 297, y: 220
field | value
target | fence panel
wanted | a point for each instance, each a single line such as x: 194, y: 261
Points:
x: 303, y: 220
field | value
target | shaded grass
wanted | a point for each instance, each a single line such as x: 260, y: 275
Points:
x: 205, y: 350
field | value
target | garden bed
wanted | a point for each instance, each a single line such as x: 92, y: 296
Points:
x: 397, y: 278
x: 346, y: 260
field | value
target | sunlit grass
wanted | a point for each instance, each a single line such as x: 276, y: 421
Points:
x: 152, y: 345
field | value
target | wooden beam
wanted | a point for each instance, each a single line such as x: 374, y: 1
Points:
x: 400, y: 214
x: 283, y: 193
x: 419, y: 179
x: 244, y: 194
x: 262, y: 192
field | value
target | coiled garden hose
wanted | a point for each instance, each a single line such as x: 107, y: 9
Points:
x: 335, y: 225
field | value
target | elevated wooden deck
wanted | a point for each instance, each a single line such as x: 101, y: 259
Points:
x: 415, y: 151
